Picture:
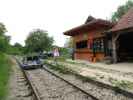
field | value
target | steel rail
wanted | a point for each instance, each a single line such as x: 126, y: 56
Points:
x: 93, y: 97
x: 33, y: 89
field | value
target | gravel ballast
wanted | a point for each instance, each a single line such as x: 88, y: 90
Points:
x: 52, y: 88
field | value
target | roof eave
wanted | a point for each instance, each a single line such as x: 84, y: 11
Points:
x: 99, y: 21
x: 129, y: 29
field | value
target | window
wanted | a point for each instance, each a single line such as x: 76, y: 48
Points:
x: 81, y: 44
x: 98, y: 45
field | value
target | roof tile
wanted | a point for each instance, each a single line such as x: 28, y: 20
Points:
x: 125, y: 22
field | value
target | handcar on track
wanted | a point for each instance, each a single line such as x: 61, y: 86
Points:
x: 31, y: 62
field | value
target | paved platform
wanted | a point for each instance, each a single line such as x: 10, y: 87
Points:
x: 123, y: 66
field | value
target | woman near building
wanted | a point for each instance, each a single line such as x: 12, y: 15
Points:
x: 56, y: 54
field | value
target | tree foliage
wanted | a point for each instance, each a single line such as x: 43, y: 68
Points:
x: 3, y: 44
x: 38, y: 40
x: 2, y: 29
x: 121, y: 11
x: 65, y: 52
x: 16, y: 49
x: 18, y: 45
x: 69, y: 43
x: 4, y: 40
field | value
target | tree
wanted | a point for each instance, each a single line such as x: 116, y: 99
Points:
x: 38, y: 41
x: 69, y: 43
x: 17, y: 48
x: 4, y: 40
x: 3, y: 44
x: 18, y: 45
x: 121, y: 11
x: 2, y: 29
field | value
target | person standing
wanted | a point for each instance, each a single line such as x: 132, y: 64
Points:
x: 56, y: 54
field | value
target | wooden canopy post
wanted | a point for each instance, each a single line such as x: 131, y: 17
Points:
x: 114, y: 52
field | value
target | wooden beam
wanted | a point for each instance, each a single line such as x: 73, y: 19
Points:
x: 114, y: 52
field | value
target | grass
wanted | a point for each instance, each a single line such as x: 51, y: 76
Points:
x: 64, y: 70
x: 61, y: 59
x: 77, y: 63
x: 60, y: 68
x: 121, y: 83
x: 5, y: 64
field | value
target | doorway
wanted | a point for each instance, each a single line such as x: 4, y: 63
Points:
x: 125, y: 47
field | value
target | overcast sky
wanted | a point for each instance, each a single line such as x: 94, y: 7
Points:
x: 55, y: 16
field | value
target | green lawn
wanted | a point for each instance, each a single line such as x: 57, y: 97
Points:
x: 5, y: 64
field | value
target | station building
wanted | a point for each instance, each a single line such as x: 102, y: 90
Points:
x: 89, y: 39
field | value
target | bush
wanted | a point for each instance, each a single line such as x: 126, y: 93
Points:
x: 4, y: 75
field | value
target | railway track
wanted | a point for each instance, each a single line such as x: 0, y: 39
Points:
x: 97, y: 89
x: 22, y: 75
x: 51, y: 87
x: 48, y: 85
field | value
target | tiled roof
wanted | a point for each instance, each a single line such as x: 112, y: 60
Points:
x: 90, y: 25
x: 125, y: 22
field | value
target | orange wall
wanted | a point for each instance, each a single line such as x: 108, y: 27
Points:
x: 85, y: 53
x: 99, y: 56
x: 88, y: 56
x: 83, y: 56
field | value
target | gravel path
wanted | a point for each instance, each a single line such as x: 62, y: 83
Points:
x: 53, y: 88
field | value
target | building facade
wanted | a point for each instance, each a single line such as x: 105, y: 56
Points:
x: 90, y: 42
